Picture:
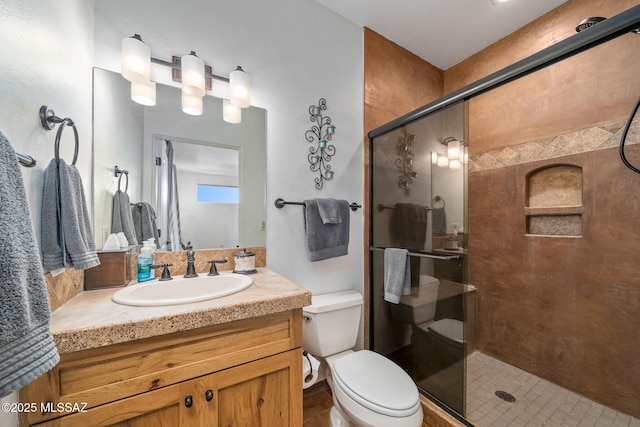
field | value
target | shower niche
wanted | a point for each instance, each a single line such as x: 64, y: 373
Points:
x: 554, y: 201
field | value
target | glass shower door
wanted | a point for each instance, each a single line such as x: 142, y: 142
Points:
x: 418, y: 204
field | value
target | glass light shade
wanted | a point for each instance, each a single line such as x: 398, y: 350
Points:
x: 191, y: 104
x: 192, y: 69
x: 240, y: 88
x: 443, y: 161
x: 454, y: 164
x: 231, y: 113
x: 144, y: 93
x: 135, y: 60
x: 434, y: 158
x: 453, y: 149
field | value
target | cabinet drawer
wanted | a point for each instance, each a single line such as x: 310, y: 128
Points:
x: 106, y: 374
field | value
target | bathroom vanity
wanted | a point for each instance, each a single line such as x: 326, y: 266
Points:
x: 235, y: 360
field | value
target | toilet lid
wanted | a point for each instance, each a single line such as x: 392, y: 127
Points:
x: 376, y: 383
x: 451, y: 329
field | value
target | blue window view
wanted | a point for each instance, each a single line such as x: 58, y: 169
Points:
x: 217, y: 194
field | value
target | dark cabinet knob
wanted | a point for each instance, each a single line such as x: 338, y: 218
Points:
x: 209, y: 395
x: 188, y: 401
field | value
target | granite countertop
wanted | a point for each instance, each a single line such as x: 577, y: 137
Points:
x: 92, y: 320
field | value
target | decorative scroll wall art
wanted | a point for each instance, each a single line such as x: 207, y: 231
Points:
x: 320, y: 135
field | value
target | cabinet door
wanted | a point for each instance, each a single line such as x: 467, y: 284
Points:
x: 264, y: 393
x: 162, y: 407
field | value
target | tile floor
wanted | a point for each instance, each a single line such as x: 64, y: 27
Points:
x: 538, y: 402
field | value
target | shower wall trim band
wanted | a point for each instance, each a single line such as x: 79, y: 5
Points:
x: 583, y: 141
x: 606, y: 30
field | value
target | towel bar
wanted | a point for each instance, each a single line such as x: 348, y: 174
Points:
x: 279, y: 203
x: 421, y: 255
x: 26, y: 161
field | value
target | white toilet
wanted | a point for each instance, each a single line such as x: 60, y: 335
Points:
x: 419, y: 310
x: 368, y: 389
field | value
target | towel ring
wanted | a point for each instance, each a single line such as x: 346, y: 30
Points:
x: 119, y: 173
x: 48, y: 120
x: 438, y: 199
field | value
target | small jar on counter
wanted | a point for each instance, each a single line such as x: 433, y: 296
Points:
x: 245, y: 262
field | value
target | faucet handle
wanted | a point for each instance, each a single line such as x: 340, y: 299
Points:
x: 166, y: 275
x: 214, y: 270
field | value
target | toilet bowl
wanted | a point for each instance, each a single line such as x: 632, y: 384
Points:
x: 368, y: 389
x: 419, y: 310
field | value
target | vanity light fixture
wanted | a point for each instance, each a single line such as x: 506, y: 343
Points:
x: 230, y: 112
x: 455, y: 154
x: 191, y: 104
x: 144, y: 93
x: 190, y: 70
x: 498, y: 2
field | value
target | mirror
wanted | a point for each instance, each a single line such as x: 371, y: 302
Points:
x: 208, y: 152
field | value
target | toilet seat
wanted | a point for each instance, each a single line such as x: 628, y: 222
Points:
x: 450, y: 330
x: 377, y: 384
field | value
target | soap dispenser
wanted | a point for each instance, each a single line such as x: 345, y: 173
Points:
x: 145, y: 261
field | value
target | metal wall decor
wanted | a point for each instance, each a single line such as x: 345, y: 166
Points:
x: 405, y: 162
x: 320, y: 134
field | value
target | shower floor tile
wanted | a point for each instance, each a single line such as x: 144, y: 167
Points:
x: 538, y: 402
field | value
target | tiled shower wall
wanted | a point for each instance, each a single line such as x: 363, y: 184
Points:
x: 561, y: 307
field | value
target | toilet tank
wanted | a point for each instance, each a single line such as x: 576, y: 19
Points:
x: 331, y: 323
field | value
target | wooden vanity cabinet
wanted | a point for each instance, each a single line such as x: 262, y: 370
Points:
x: 244, y: 373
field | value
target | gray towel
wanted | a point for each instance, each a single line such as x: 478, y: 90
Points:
x: 54, y: 255
x: 326, y: 240
x: 439, y: 221
x: 329, y: 210
x: 408, y: 225
x: 397, y: 274
x: 26, y: 344
x: 144, y: 222
x: 67, y: 238
x: 121, y: 218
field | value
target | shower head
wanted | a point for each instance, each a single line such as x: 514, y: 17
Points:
x: 589, y: 22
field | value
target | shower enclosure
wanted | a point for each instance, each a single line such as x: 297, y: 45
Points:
x: 418, y: 192
x: 533, y: 219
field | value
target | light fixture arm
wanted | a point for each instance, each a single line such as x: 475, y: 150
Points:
x: 176, y: 66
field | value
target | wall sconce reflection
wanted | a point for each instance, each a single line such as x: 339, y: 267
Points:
x: 405, y: 162
x: 455, y: 157
x: 321, y: 153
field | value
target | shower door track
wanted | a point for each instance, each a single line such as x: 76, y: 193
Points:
x: 606, y: 30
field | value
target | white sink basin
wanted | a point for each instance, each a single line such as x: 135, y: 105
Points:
x: 181, y: 290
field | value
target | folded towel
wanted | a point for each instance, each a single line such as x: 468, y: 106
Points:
x: 121, y: 218
x: 326, y: 240
x: 408, y: 225
x: 26, y: 344
x: 397, y: 274
x: 439, y: 221
x: 67, y: 238
x: 329, y: 210
x: 144, y: 222
x: 122, y: 240
x: 111, y: 244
